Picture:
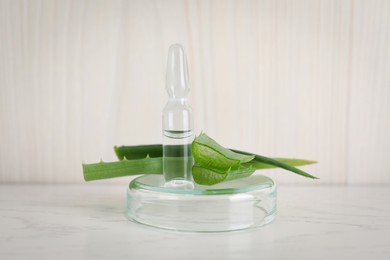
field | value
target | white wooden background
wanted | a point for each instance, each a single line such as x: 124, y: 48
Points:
x: 307, y: 79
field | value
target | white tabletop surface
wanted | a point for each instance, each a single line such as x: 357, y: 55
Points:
x: 88, y: 222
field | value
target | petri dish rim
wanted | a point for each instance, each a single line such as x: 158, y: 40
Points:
x: 245, y: 185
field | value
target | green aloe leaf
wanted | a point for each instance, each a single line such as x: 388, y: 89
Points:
x: 210, y: 154
x: 138, y: 151
x: 279, y: 163
x: 155, y: 150
x: 106, y: 170
x: 209, y: 176
x: 205, y: 149
x: 214, y: 163
x: 255, y: 163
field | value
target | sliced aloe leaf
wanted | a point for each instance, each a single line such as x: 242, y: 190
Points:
x: 210, y: 154
x: 208, y: 176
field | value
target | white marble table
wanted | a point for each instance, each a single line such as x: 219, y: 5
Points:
x: 88, y: 222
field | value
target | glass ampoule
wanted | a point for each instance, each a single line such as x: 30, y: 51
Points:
x: 177, y: 123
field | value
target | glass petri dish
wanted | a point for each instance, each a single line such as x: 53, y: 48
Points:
x: 234, y: 205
